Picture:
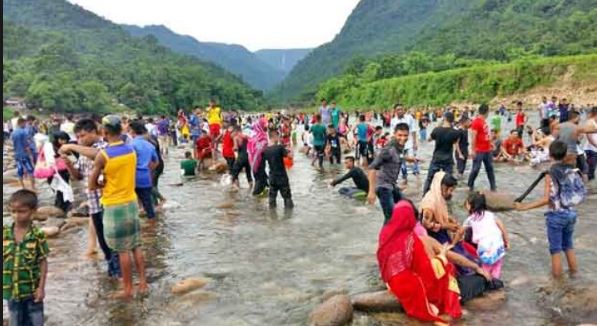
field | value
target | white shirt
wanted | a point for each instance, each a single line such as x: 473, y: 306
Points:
x: 593, y: 137
x: 69, y: 128
x: 412, y: 127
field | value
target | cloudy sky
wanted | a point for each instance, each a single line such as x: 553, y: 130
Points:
x: 256, y: 24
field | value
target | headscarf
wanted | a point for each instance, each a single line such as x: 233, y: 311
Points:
x: 257, y: 143
x: 434, y: 201
x: 415, y: 279
x: 396, y: 239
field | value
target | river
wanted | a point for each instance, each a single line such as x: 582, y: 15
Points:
x: 272, y: 267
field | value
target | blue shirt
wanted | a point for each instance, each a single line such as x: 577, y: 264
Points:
x: 20, y: 141
x: 362, y: 129
x: 145, y: 154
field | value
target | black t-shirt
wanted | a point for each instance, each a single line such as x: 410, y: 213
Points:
x: 463, y: 140
x: 274, y: 155
x: 358, y: 177
x: 334, y: 142
x: 444, y: 137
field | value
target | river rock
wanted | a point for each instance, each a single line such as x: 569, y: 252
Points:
x: 336, y: 311
x: 48, y: 211
x: 78, y: 221
x: 50, y: 231
x: 189, y: 284
x: 68, y: 225
x: 490, y: 301
x: 10, y: 173
x: 225, y: 205
x: 9, y: 180
x: 499, y: 201
x: 376, y: 301
x: 219, y: 167
x: 332, y: 292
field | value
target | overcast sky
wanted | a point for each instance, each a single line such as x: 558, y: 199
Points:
x: 256, y: 24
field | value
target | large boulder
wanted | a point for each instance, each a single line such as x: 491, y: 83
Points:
x: 336, y: 311
x: 376, y: 301
x: 50, y: 231
x: 499, y: 201
x: 44, y: 212
x: 189, y: 284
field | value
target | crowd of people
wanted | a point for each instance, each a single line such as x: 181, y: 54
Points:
x: 428, y: 259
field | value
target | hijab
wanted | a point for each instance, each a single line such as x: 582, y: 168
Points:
x: 396, y: 241
x: 257, y: 143
x: 434, y: 200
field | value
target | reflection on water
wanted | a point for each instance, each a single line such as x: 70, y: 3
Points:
x: 271, y: 268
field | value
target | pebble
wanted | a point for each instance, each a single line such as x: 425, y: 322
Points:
x: 189, y: 284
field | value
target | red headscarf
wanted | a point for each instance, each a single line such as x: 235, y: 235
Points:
x: 419, y: 283
x: 396, y: 240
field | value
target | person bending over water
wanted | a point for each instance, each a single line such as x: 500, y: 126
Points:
x: 356, y: 174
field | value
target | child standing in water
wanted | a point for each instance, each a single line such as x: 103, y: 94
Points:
x: 564, y: 189
x: 25, y: 264
x: 489, y: 234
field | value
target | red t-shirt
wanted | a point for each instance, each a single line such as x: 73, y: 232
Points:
x: 512, y: 146
x: 227, y: 145
x: 519, y: 119
x: 482, y: 140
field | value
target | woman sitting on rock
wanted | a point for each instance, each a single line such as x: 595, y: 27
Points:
x: 416, y: 269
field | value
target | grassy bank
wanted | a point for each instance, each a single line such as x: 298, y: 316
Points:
x: 473, y: 84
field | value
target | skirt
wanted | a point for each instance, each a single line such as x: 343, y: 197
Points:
x: 121, y: 226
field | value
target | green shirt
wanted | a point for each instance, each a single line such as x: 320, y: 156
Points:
x: 189, y: 167
x: 318, y: 131
x: 21, y: 262
x: 496, y: 122
x: 336, y: 117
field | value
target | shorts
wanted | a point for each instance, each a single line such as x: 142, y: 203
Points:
x: 26, y: 312
x: 214, y: 130
x: 560, y: 227
x: 121, y: 226
x: 24, y: 165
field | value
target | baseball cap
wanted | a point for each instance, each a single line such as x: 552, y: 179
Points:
x: 111, y: 120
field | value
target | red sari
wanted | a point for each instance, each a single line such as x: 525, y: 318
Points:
x: 416, y: 280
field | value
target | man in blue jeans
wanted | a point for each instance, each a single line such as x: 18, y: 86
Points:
x: 481, y: 148
x: 147, y: 160
x: 385, y: 170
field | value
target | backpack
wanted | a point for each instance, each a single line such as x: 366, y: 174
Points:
x: 569, y: 185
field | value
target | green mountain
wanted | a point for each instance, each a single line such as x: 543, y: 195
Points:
x: 282, y: 59
x: 61, y: 57
x: 499, y: 30
x: 234, y: 58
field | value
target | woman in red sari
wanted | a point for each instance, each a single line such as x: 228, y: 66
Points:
x: 426, y: 287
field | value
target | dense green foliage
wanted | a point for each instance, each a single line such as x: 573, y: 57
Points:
x: 234, y: 58
x: 501, y: 30
x: 477, y: 83
x: 61, y: 57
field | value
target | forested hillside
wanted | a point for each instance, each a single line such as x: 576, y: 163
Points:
x: 476, y: 82
x: 234, y: 58
x: 61, y: 57
x: 499, y: 30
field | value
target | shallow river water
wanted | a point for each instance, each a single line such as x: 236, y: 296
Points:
x: 272, y: 267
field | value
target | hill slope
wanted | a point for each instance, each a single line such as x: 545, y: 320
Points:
x: 234, y: 58
x: 487, y: 29
x: 282, y: 59
x: 61, y: 57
